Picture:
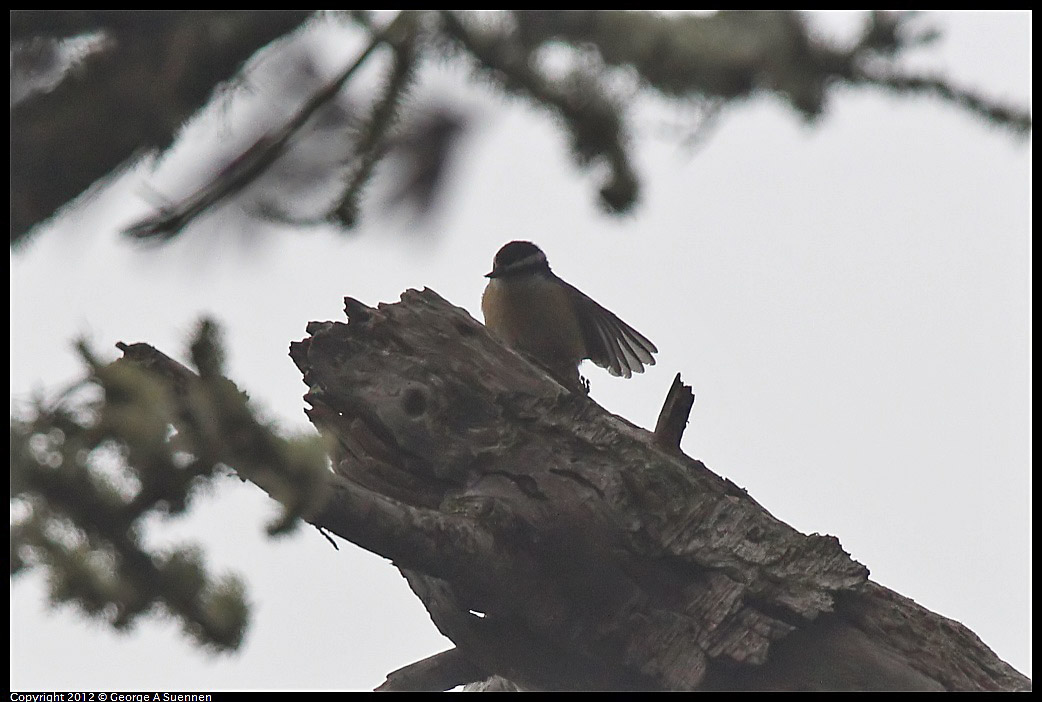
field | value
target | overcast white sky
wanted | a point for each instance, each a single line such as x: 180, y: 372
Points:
x: 851, y: 302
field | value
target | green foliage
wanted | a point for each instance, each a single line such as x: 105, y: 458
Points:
x: 587, y: 69
x: 138, y: 438
x: 371, y: 143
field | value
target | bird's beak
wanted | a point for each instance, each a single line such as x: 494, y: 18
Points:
x: 492, y: 274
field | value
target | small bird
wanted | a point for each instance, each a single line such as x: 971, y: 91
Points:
x: 532, y: 310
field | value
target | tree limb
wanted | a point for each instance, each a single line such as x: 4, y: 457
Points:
x: 442, y: 671
x: 560, y: 547
x: 589, y: 558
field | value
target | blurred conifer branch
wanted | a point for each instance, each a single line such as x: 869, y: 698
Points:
x: 137, y: 439
x: 152, y: 71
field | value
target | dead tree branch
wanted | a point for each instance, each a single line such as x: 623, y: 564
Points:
x: 442, y: 671
x: 672, y: 420
x: 561, y: 547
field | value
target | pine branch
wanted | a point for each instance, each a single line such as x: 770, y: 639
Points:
x: 247, y: 167
x: 372, y: 142
x: 132, y: 97
x: 596, y: 123
x: 1014, y: 118
x: 88, y: 474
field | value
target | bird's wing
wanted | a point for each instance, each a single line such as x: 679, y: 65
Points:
x: 610, y: 342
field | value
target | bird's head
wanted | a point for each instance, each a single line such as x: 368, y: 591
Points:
x: 518, y: 258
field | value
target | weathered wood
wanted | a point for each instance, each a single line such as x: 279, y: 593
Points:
x: 442, y: 671
x: 672, y: 419
x: 561, y: 547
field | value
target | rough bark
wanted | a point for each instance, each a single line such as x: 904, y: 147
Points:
x: 561, y: 547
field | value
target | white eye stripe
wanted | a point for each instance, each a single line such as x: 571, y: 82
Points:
x: 533, y: 260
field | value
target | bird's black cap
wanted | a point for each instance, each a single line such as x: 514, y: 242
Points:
x: 517, y: 257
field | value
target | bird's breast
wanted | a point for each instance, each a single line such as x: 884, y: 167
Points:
x: 535, y: 316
